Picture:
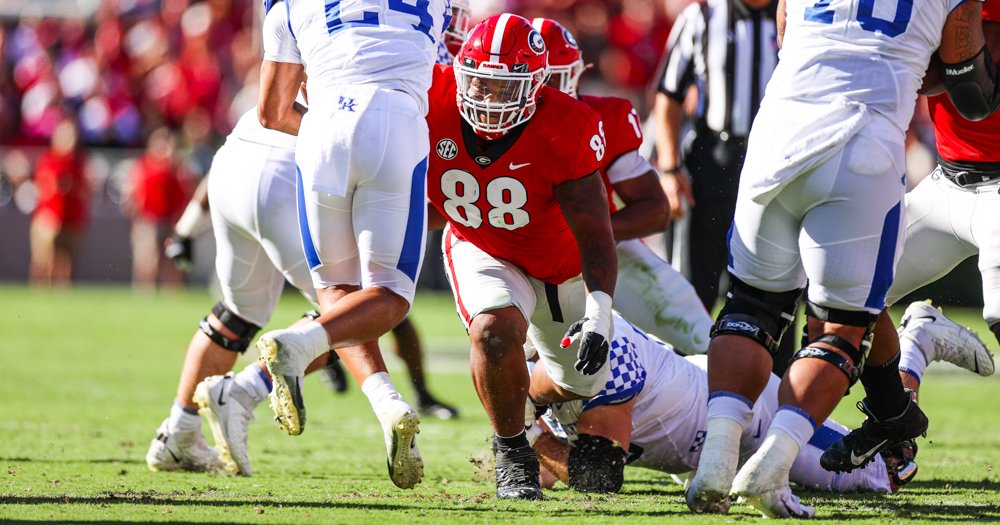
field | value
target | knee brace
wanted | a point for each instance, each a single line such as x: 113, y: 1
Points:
x: 243, y: 329
x: 850, y: 367
x: 756, y: 314
x: 596, y: 464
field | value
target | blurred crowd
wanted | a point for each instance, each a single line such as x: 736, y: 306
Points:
x: 174, y: 76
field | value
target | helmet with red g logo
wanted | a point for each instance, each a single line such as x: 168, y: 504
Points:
x: 458, y: 29
x: 499, y: 71
x: 565, y: 59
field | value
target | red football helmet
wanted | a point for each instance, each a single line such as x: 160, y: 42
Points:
x: 458, y: 29
x: 500, y: 70
x: 565, y: 59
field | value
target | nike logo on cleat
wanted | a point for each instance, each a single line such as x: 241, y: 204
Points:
x: 858, y: 460
x: 176, y: 459
x: 221, y: 392
x: 516, y: 166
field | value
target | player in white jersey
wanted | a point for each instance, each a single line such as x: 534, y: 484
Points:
x: 362, y: 160
x: 820, y: 206
x: 652, y: 414
x: 251, y: 189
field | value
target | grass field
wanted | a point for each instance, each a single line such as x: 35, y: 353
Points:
x: 90, y: 374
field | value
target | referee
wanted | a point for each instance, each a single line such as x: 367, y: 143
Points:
x: 727, y: 49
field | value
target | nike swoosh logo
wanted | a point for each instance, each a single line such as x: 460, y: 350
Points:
x: 931, y: 317
x: 759, y: 425
x: 516, y: 166
x: 858, y: 460
x: 221, y: 392
x: 176, y: 459
x: 975, y: 360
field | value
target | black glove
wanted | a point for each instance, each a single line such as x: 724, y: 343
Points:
x: 178, y: 249
x: 593, y: 351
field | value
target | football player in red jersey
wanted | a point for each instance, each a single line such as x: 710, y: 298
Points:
x: 515, y: 171
x: 650, y: 293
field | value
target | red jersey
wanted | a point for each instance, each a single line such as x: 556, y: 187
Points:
x: 63, y: 193
x: 502, y: 198
x: 959, y: 139
x: 621, y: 127
x: 157, y: 191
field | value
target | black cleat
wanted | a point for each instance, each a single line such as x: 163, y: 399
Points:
x: 517, y: 473
x: 859, y: 447
x: 333, y: 377
x: 433, y: 407
x: 899, y: 462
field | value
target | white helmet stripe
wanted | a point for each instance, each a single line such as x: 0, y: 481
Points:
x: 537, y: 24
x: 497, y: 44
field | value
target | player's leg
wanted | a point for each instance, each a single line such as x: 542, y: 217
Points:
x: 409, y: 349
x: 258, y: 223
x: 766, y: 276
x: 657, y: 299
x: 491, y: 297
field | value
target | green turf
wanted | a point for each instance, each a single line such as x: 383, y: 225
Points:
x: 90, y: 374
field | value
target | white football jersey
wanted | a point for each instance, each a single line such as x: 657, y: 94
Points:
x: 249, y: 128
x: 871, y: 51
x: 392, y: 43
x: 671, y: 393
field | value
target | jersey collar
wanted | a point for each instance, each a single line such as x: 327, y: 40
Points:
x: 486, y: 157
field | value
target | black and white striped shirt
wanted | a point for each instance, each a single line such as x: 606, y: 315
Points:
x: 729, y: 52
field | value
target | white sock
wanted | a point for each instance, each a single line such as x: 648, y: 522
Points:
x: 254, y: 382
x: 730, y: 405
x: 314, y: 332
x: 183, y: 419
x: 912, y: 359
x: 796, y: 423
x: 379, y: 389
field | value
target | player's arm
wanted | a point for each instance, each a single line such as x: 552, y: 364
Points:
x: 281, y: 75
x: 932, y: 79
x: 646, y: 210
x: 584, y: 205
x: 781, y: 18
x: 276, y: 106
x: 178, y: 247
x: 435, y: 221
x: 968, y: 71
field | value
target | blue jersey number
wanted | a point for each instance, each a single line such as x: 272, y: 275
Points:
x: 821, y: 13
x: 334, y: 21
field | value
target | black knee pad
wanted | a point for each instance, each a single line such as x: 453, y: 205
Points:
x: 756, y: 314
x: 847, y: 366
x: 596, y: 464
x: 852, y: 367
x: 243, y: 329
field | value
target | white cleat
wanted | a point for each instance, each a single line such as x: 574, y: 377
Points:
x: 181, y: 451
x: 779, y: 503
x: 286, y: 355
x: 400, y: 427
x: 941, y: 339
x: 762, y: 483
x: 708, y: 492
x: 229, y: 410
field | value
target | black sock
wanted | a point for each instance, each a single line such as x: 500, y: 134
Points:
x: 517, y: 441
x: 886, y: 397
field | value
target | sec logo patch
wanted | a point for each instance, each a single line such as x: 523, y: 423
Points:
x: 447, y: 149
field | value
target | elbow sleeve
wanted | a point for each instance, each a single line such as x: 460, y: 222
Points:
x: 973, y: 86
